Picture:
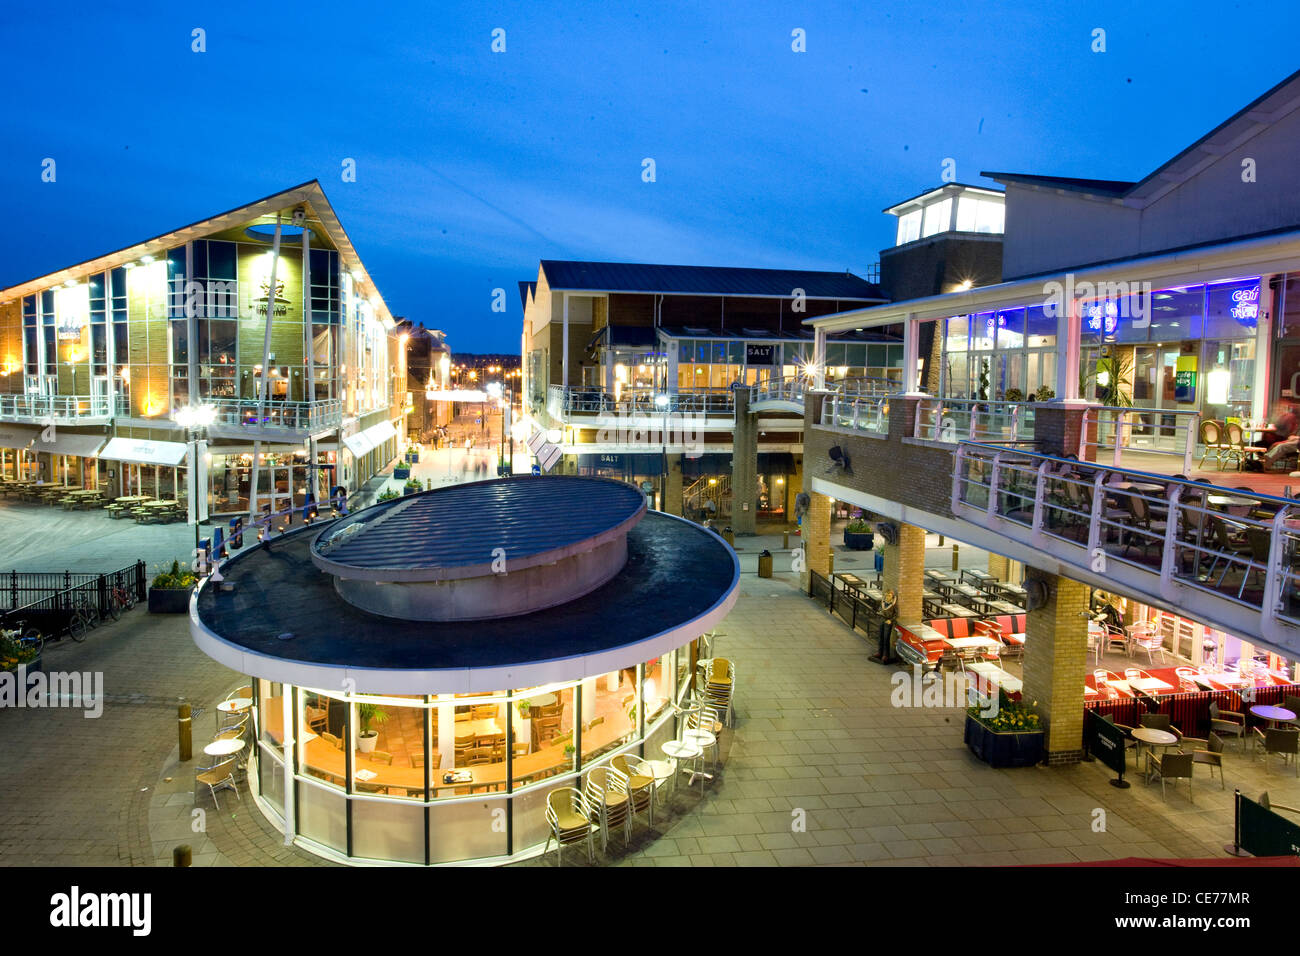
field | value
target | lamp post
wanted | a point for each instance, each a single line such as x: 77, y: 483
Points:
x: 195, y: 419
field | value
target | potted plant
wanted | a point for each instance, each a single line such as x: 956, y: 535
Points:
x: 388, y: 494
x: 170, y: 591
x: 412, y: 486
x: 16, y: 653
x: 402, y: 471
x: 858, y: 535
x: 413, y: 454
x: 1044, y: 394
x: 1015, y: 395
x: 369, y: 714
x: 1013, y: 736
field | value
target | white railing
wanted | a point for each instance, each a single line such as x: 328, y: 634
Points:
x: 866, y: 414
x: 1110, y: 432
x: 57, y: 407
x: 865, y: 387
x: 790, y: 389
x: 952, y: 420
x: 290, y: 416
x: 563, y: 402
x: 1238, y: 545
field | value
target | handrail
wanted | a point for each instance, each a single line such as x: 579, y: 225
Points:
x: 1159, y: 523
x: 941, y: 420
x: 15, y: 405
x: 869, y: 414
x: 1122, y: 423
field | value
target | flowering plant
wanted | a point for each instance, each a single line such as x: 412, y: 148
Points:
x: 14, y: 653
x: 1011, y: 717
x: 175, y: 577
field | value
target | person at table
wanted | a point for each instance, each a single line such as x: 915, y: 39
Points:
x: 1284, y: 436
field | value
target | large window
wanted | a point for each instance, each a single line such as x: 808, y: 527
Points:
x: 909, y: 226
x: 979, y: 215
x: 937, y: 217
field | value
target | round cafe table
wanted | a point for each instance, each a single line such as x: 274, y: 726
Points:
x: 661, y: 770
x: 224, y: 748
x: 236, y: 705
x: 1153, y: 738
x: 683, y: 750
x: 1274, y: 715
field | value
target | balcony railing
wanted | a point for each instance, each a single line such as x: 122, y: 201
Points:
x: 1238, y: 545
x: 286, y: 416
x: 868, y: 414
x: 56, y: 407
x: 564, y: 402
x: 1118, y: 433
x: 790, y: 389
x: 952, y: 420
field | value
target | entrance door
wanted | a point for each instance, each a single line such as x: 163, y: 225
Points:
x: 99, y: 395
x: 1155, y: 370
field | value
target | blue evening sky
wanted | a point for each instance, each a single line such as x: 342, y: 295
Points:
x: 473, y: 165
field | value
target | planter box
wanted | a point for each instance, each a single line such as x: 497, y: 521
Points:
x: 1022, y: 749
x: 409, y: 491
x: 402, y: 473
x: 859, y: 540
x: 169, y: 600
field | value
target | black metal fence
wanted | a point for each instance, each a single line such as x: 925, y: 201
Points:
x: 857, y: 613
x: 48, y: 597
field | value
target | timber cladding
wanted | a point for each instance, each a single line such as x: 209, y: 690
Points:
x: 917, y: 475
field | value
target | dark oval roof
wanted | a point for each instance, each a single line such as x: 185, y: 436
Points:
x: 459, y: 531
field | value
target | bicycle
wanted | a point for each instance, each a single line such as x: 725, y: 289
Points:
x: 81, y: 618
x: 24, y: 635
x: 119, y: 599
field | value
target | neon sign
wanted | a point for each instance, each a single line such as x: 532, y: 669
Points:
x: 1103, y: 317
x: 1246, y: 304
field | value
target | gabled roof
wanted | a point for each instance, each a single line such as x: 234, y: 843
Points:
x: 526, y: 290
x: 1098, y: 187
x: 1247, y: 123
x: 563, y: 275
x: 262, y: 211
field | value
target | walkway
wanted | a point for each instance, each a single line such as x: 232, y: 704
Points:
x: 815, y: 733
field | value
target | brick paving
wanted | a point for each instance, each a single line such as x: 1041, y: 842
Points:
x: 816, y: 739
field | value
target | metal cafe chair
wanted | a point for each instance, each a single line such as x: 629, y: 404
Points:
x: 1170, y: 766
x: 568, y: 817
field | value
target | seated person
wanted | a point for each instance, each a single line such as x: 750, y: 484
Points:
x: 1285, y: 426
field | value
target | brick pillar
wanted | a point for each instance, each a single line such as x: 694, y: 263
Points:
x: 1057, y: 426
x: 1056, y: 657
x: 999, y: 566
x: 672, y: 503
x: 816, y: 536
x: 744, y: 468
x: 904, y: 572
x: 793, y: 485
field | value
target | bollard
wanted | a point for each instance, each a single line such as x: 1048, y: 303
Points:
x: 941, y: 541
x: 830, y: 558
x: 186, y: 731
x: 181, y: 855
x: 785, y: 540
x: 954, y: 557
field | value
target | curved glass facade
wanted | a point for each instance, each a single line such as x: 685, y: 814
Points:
x: 448, y: 778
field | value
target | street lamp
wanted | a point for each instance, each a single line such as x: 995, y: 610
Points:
x: 195, y: 419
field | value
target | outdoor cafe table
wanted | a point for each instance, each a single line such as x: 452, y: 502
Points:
x: 925, y: 632
x: 224, y: 748
x: 934, y: 574
x: 1153, y: 738
x: 1273, y: 715
x: 996, y: 676
x: 977, y: 576
x: 966, y: 643
x: 132, y: 499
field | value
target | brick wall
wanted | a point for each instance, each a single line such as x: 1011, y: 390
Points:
x: 1056, y: 650
x: 904, y: 572
x: 817, y: 534
x: 920, y: 475
x: 672, y: 502
x: 744, y: 468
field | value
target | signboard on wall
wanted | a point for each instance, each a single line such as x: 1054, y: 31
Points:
x: 1185, y: 379
x: 760, y: 354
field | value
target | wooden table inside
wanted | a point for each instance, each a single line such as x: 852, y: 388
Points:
x: 324, y: 757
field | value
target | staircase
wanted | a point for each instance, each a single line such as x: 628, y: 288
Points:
x: 700, y: 491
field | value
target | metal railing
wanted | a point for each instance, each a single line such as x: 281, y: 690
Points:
x: 1235, y: 543
x: 293, y: 416
x: 952, y: 420
x: 40, y: 596
x: 1109, y: 431
x: 57, y: 407
x: 563, y: 402
x: 789, y: 389
x: 859, y: 413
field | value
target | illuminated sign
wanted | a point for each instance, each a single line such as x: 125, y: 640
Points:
x: 69, y: 329
x: 1103, y: 317
x: 1245, y: 304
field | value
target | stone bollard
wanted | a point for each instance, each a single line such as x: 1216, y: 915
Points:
x: 181, y: 855
x: 186, y: 731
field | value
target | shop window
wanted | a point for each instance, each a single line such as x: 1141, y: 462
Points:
x: 608, y: 712
x: 1232, y: 310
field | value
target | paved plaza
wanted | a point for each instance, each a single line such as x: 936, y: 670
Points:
x: 820, y: 767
